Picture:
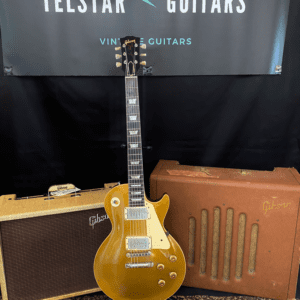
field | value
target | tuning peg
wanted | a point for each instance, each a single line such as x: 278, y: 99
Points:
x: 118, y: 64
x: 118, y: 56
x: 143, y: 63
x: 143, y: 54
x: 118, y: 48
x: 144, y: 46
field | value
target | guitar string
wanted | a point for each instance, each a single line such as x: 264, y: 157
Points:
x: 143, y: 223
x: 143, y: 203
x: 127, y: 126
x: 132, y: 92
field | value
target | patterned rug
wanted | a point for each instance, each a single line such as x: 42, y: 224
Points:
x: 99, y: 296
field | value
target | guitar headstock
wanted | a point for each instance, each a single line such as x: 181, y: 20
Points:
x: 130, y: 55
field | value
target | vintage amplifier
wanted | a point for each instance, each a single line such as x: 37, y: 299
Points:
x: 48, y: 243
x: 239, y: 229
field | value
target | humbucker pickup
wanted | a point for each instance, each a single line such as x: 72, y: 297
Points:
x: 139, y: 265
x: 137, y: 213
x: 138, y: 243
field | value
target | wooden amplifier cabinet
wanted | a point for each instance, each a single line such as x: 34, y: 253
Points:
x: 48, y: 244
x: 239, y: 229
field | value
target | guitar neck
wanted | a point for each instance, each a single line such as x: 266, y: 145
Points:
x: 134, y: 143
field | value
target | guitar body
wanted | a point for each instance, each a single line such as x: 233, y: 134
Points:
x: 165, y: 257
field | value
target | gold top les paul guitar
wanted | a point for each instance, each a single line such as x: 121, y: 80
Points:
x: 139, y: 259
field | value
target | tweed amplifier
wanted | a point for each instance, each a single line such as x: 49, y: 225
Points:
x: 239, y: 229
x: 48, y: 243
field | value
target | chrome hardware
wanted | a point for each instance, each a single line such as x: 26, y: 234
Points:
x: 160, y: 267
x: 118, y: 64
x: 144, y: 46
x: 135, y: 53
x: 278, y: 69
x: 136, y: 45
x: 173, y: 258
x: 124, y: 53
x: 135, y: 61
x: 137, y: 213
x: 118, y: 56
x: 143, y: 54
x: 118, y: 48
x: 173, y: 275
x: 143, y: 63
x: 139, y: 265
x: 138, y: 243
x: 124, y: 46
x: 161, y: 282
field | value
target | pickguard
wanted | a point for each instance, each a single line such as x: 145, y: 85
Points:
x: 155, y: 230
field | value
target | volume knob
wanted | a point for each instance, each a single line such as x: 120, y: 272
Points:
x: 161, y: 282
x: 173, y: 258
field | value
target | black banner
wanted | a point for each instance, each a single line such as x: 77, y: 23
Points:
x: 183, y: 37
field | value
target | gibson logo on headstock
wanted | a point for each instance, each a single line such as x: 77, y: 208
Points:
x: 96, y: 219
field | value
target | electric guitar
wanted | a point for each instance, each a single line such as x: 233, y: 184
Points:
x: 139, y: 259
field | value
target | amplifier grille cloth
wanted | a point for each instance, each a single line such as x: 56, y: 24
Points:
x: 52, y: 255
x: 216, y: 231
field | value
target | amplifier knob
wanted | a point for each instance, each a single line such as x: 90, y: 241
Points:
x: 161, y: 282
x: 173, y: 258
x: 173, y: 275
x: 160, y: 266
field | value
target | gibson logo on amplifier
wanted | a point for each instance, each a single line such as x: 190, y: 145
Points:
x: 96, y: 219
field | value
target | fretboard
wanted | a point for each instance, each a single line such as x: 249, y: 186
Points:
x: 134, y: 143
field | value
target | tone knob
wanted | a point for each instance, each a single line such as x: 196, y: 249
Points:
x: 161, y: 282
x: 144, y: 46
x: 118, y: 56
x: 160, y: 266
x: 118, y: 64
x: 173, y: 258
x: 143, y: 63
x: 173, y: 275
